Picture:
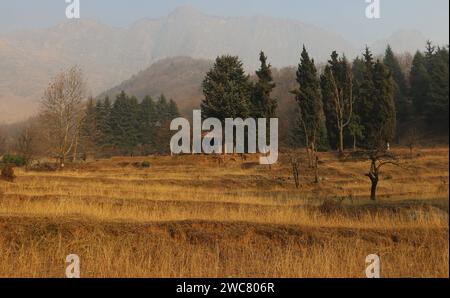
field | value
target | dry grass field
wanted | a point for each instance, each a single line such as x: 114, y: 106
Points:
x: 193, y: 216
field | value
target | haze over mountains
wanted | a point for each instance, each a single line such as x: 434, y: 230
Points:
x: 109, y: 55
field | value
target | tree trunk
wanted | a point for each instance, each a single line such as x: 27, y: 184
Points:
x: 316, y: 169
x: 75, y: 150
x: 373, y: 190
x: 341, y: 140
x: 62, y: 161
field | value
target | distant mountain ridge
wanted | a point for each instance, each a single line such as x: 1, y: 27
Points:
x: 108, y: 56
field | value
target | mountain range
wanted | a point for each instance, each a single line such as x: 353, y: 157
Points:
x: 29, y: 59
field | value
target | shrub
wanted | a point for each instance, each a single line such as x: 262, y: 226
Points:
x: 145, y: 164
x: 7, y: 173
x: 15, y: 160
x: 44, y: 167
x: 331, y: 207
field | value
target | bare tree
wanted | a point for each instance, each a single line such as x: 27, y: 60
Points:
x: 378, y: 160
x: 295, y: 163
x: 311, y: 146
x: 25, y: 145
x: 62, y: 111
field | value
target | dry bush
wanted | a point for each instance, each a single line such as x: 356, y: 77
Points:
x: 44, y: 167
x: 331, y: 207
x: 250, y: 165
x: 7, y: 173
x: 141, y: 165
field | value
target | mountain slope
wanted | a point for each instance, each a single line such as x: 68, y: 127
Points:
x: 108, y: 55
x: 178, y: 78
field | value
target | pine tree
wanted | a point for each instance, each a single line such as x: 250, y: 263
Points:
x: 166, y: 111
x: 430, y: 50
x: 89, y: 126
x: 420, y: 83
x: 309, y: 102
x: 172, y: 109
x: 147, y: 123
x: 384, y: 123
x: 402, y: 103
x: 430, y: 86
x: 358, y: 70
x: 124, y: 123
x: 227, y: 90
x: 365, y: 101
x: 375, y: 104
x: 356, y: 128
x: 436, y: 108
x: 162, y: 107
x: 263, y: 105
x: 103, y: 137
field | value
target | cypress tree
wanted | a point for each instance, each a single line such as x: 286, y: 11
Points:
x: 309, y: 102
x: 263, y: 105
x: 328, y: 108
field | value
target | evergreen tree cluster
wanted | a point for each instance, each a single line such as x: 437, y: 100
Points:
x: 366, y: 103
x: 229, y: 92
x: 363, y: 104
x: 375, y: 107
x: 430, y: 87
x: 127, y: 126
x: 376, y: 102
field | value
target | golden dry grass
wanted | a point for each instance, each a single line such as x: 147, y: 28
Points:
x: 190, y: 216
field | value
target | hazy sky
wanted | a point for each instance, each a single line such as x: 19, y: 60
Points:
x: 346, y: 17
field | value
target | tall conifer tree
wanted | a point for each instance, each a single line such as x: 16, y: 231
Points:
x: 227, y: 90
x: 263, y: 105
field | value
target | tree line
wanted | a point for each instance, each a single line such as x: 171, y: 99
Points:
x: 365, y: 103
x: 127, y: 126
